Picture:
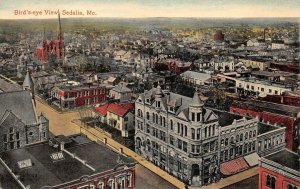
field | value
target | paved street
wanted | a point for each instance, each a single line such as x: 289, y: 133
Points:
x: 145, y: 179
x: 64, y: 123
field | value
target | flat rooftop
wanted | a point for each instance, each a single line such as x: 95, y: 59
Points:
x: 264, y: 128
x: 286, y: 158
x: 262, y: 82
x: 41, y: 167
x: 226, y: 118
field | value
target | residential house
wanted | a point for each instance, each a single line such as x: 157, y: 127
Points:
x: 119, y: 116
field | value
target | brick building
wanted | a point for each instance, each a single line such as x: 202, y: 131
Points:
x: 280, y: 170
x: 73, y: 162
x: 76, y: 96
x: 54, y: 47
x: 272, y: 113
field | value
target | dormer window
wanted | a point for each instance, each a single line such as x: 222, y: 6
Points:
x: 148, y: 101
x: 158, y: 104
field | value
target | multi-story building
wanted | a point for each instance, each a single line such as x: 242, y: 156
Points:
x: 184, y: 138
x: 76, y: 96
x: 280, y: 170
x: 73, y: 162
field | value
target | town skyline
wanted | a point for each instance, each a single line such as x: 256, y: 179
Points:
x: 145, y: 9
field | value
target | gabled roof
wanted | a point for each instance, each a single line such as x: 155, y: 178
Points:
x: 20, y: 103
x: 121, y: 88
x: 118, y: 109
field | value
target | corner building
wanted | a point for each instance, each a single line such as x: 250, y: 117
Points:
x: 180, y: 135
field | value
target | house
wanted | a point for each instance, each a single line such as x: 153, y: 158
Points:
x: 121, y: 92
x: 278, y: 44
x: 73, y: 162
x: 119, y: 116
x: 280, y: 170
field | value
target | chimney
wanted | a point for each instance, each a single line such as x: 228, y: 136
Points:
x: 62, y: 146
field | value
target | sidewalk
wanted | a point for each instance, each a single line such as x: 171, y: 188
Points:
x: 65, y: 123
x: 96, y: 135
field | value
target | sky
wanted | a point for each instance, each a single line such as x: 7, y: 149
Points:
x: 152, y: 8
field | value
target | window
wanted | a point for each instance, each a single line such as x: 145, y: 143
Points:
x: 268, y: 181
x: 148, y: 115
x: 147, y: 128
x: 222, y: 142
x: 226, y: 141
x: 18, y: 135
x: 209, y: 131
x: 198, y: 134
x: 250, y: 134
x: 205, y: 132
x: 254, y: 133
x: 101, y: 185
x: 193, y: 133
x: 30, y: 133
x: 193, y: 116
x: 11, y: 130
x: 246, y: 135
x: 4, y: 137
x: 171, y: 124
x: 237, y: 138
x: 140, y: 113
x: 178, y: 127
x: 276, y: 92
x: 111, y: 184
x: 11, y: 137
x: 241, y: 137
x: 179, y: 143
x: 262, y: 89
x: 172, y: 140
x: 184, y: 146
x: 198, y: 116
x: 273, y: 183
x: 185, y: 130
x: 18, y: 144
x: 11, y: 145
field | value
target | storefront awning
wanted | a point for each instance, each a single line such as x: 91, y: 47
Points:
x: 252, y: 159
x: 233, y: 166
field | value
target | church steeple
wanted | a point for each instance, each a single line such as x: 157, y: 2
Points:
x: 28, y: 84
x: 60, y: 35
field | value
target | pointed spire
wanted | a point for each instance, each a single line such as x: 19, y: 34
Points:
x: 196, y: 102
x: 158, y: 90
x: 28, y: 83
x: 59, y: 27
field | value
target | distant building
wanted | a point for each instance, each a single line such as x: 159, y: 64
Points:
x: 68, y: 162
x: 76, y: 96
x: 54, y: 47
x: 219, y: 36
x: 195, y: 78
x: 280, y: 170
x: 119, y: 116
x: 121, y: 92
